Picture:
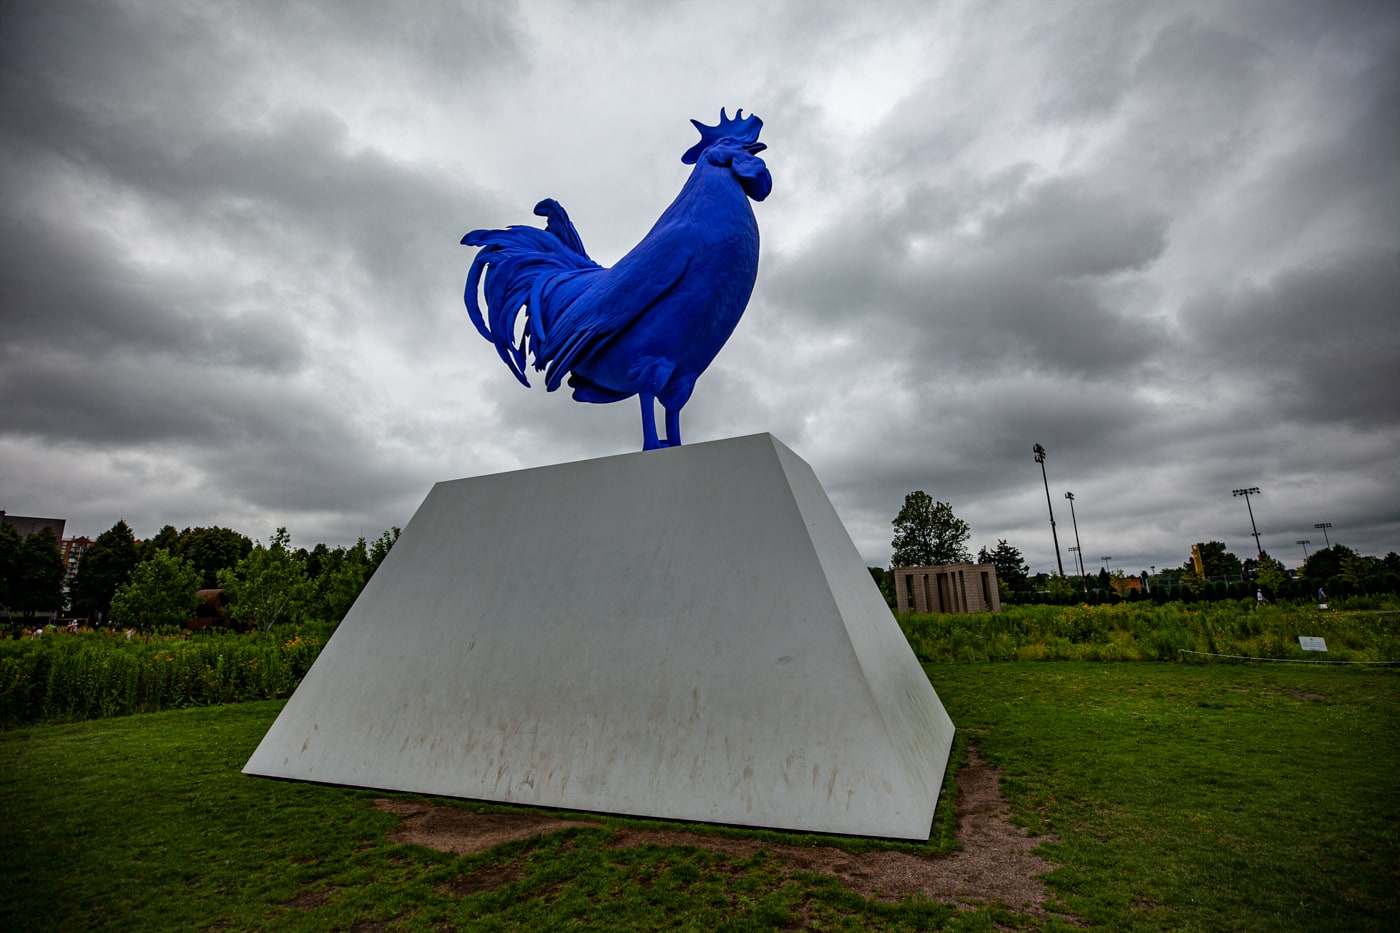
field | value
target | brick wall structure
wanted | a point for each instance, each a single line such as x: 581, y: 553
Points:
x: 946, y: 588
x: 71, y: 550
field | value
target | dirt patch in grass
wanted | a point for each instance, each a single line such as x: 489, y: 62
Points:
x: 452, y: 829
x: 488, y: 879
x: 309, y: 900
x: 996, y: 863
x: 371, y: 926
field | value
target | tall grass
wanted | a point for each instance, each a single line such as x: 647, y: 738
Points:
x: 94, y: 675
x: 1150, y: 632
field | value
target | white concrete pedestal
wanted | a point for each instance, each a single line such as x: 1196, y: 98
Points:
x: 685, y: 633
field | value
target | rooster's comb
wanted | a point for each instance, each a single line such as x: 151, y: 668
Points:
x: 742, y: 129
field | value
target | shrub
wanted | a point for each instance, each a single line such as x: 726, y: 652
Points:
x: 92, y: 675
x: 1151, y: 631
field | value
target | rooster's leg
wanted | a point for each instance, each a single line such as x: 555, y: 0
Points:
x: 673, y: 428
x: 649, y: 441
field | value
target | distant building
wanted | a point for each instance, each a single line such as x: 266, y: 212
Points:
x: 71, y: 550
x: 26, y: 525
x: 1122, y: 586
x: 947, y: 588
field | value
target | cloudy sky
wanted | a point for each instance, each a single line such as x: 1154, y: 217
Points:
x: 1161, y: 239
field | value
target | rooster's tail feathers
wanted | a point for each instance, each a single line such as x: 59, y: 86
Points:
x: 558, y: 223
x: 522, y: 268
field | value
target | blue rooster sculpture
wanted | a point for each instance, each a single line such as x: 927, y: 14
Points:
x: 650, y: 325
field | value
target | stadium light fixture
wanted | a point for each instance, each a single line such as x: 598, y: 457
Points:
x: 1040, y: 459
x: 1247, y: 492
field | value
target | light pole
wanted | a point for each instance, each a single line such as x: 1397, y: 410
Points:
x: 1106, y: 558
x: 1040, y: 459
x: 1076, y: 548
x: 1305, y: 549
x: 1075, y: 551
x: 1324, y: 526
x: 1251, y: 491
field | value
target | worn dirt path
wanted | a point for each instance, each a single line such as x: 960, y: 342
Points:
x: 996, y: 863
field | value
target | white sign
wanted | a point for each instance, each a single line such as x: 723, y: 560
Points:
x: 1312, y: 643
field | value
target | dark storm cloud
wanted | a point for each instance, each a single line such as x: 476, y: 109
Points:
x: 1017, y: 288
x: 287, y: 211
x: 115, y: 399
x: 1160, y: 239
x: 69, y: 287
x: 176, y: 240
x: 1314, y: 344
x: 976, y: 275
x: 1093, y: 47
x: 169, y: 106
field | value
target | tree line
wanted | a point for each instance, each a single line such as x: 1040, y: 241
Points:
x: 154, y: 583
x: 927, y: 533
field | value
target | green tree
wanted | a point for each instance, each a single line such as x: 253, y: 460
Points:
x: 10, y: 544
x: 1218, y: 561
x: 1362, y: 573
x: 380, y: 548
x: 36, y: 584
x: 927, y: 533
x: 315, y: 560
x: 1059, y: 589
x: 343, y: 574
x: 210, y: 550
x: 1011, y: 568
x: 167, y: 538
x: 1327, y: 562
x: 161, y: 593
x: 1271, y: 577
x: 268, y: 586
x: 1192, y: 582
x: 207, y: 550
x: 104, y: 566
x: 884, y: 579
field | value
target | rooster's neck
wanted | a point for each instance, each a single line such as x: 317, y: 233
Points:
x: 710, y: 193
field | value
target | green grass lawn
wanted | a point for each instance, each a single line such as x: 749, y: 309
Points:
x: 1172, y: 797
x: 1220, y: 797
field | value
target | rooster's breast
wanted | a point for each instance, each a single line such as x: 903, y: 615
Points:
x: 690, y: 322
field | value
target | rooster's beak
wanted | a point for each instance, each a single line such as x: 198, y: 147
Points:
x: 754, y: 148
